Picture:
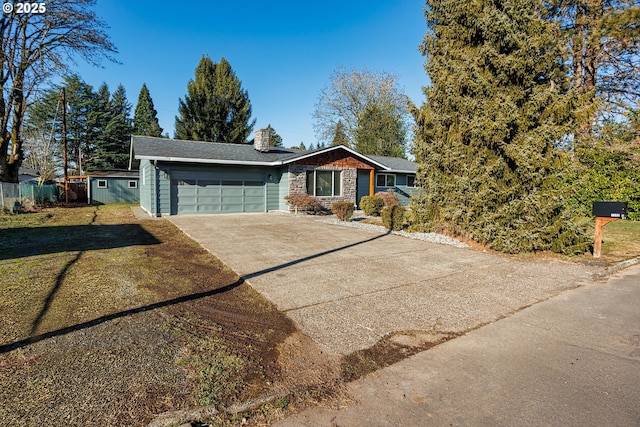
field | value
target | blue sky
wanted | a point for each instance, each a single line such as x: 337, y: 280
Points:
x: 283, y: 51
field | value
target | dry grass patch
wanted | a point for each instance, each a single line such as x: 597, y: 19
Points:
x: 108, y: 320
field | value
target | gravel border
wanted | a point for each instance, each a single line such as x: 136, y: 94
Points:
x: 356, y: 222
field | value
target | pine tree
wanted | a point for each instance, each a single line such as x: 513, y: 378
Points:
x: 145, y: 117
x: 275, y: 140
x: 45, y: 115
x: 498, y: 102
x: 340, y: 135
x: 112, y: 143
x: 216, y: 108
x: 381, y: 132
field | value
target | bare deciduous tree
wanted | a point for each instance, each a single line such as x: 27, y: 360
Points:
x: 34, y: 47
x: 347, y: 97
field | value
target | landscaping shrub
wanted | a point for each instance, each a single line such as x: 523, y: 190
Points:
x: 305, y: 203
x: 343, y: 210
x: 393, y: 217
x: 371, y: 205
x: 388, y: 197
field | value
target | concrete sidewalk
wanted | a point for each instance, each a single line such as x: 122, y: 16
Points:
x: 349, y: 288
x: 573, y: 360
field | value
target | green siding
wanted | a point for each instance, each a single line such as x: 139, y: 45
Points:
x: 148, y: 187
x: 284, y: 190
x: 117, y: 190
x: 163, y: 191
x: 277, y: 189
x: 403, y: 192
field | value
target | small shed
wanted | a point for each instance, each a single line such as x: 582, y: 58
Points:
x: 113, y: 186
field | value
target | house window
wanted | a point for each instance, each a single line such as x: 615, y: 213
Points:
x: 411, y: 180
x: 102, y: 183
x: 324, y: 183
x: 385, y: 180
x: 133, y: 184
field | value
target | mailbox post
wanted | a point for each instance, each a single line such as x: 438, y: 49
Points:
x: 606, y: 212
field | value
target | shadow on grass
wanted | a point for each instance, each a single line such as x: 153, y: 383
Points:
x: 186, y: 298
x: 24, y: 242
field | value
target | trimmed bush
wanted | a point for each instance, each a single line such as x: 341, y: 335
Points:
x: 393, y: 217
x: 388, y: 197
x: 371, y: 205
x: 343, y: 210
x: 305, y: 203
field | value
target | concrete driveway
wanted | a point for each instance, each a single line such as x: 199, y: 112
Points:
x: 347, y: 288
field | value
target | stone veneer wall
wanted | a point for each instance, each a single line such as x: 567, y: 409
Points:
x: 298, y: 183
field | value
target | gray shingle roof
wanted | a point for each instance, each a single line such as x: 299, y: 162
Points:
x: 146, y: 147
x: 396, y: 164
x: 173, y: 149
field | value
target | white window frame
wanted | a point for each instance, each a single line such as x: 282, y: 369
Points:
x: 133, y: 183
x: 386, y: 179
x: 102, y: 183
x: 312, y: 191
x: 414, y: 181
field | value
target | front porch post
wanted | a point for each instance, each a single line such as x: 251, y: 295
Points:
x: 371, y: 176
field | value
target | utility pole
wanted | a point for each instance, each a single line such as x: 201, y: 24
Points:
x: 64, y: 146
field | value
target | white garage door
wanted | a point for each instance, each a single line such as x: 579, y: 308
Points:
x: 193, y: 193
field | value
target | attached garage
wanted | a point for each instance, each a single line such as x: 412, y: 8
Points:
x: 196, y: 193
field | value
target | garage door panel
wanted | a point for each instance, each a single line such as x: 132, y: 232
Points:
x: 218, y: 192
x: 232, y: 191
x: 209, y: 208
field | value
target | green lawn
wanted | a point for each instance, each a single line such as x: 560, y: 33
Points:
x: 620, y: 241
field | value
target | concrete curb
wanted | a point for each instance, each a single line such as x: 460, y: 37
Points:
x: 622, y: 265
x: 612, y: 269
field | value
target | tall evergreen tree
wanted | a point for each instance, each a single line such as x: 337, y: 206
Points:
x: 145, y: 117
x: 216, y: 108
x: 275, y: 140
x: 340, y: 135
x: 498, y: 102
x: 112, y: 144
x: 381, y: 132
x: 603, y: 38
x: 45, y: 114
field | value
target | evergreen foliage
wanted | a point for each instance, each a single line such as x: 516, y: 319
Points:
x: 393, y: 217
x: 45, y: 114
x: 609, y: 168
x: 381, y: 132
x: 112, y: 143
x: 498, y: 102
x: 348, y: 96
x: 372, y: 205
x: 145, y: 117
x: 98, y: 125
x: 340, y: 136
x: 216, y: 108
x: 275, y: 140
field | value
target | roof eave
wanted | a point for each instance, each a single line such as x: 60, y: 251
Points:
x: 208, y: 161
x: 336, y: 147
x: 400, y: 171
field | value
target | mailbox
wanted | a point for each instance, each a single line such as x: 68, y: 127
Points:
x: 610, y: 209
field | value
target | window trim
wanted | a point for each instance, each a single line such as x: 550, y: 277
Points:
x: 386, y: 179
x: 312, y: 191
x: 132, y: 184
x: 102, y: 183
x: 414, y: 181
